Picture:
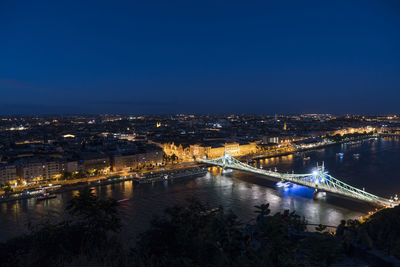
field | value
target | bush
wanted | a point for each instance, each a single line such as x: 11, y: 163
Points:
x: 383, y: 228
x: 87, y: 232
x: 189, y: 235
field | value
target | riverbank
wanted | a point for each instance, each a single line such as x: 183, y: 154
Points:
x: 170, y: 176
x: 328, y: 144
x: 148, y: 177
x: 21, y: 192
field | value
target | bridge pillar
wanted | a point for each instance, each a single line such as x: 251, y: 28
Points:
x: 318, y: 194
x: 315, y: 194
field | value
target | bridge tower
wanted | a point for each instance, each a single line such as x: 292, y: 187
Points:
x: 319, y: 176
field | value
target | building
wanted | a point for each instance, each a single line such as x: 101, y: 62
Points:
x: 71, y: 166
x: 36, y: 169
x: 351, y: 130
x: 8, y: 173
x: 213, y: 150
x: 310, y: 143
x: 282, y: 139
x: 270, y: 140
x: 137, y: 160
x: 91, y: 161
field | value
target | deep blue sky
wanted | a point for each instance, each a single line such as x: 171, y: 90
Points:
x: 199, y: 56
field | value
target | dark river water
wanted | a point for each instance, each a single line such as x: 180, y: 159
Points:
x: 377, y: 170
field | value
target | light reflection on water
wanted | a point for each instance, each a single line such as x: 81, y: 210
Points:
x: 377, y: 170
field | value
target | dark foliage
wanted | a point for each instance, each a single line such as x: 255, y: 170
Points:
x: 86, y: 232
x: 197, y: 236
x: 192, y: 235
x: 382, y: 231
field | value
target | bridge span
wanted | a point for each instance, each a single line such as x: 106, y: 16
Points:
x: 319, y: 180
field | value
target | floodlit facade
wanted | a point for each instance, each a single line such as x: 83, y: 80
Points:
x: 200, y: 151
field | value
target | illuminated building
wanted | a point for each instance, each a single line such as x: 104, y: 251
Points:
x: 350, y: 130
x: 129, y: 162
x: 211, y: 151
x: 8, y: 173
x: 36, y: 169
x: 94, y: 161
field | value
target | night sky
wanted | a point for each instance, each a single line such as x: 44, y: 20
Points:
x: 152, y: 57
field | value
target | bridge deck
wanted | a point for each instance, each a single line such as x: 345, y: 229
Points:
x: 318, y: 180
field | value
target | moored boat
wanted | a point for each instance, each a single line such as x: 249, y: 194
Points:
x: 45, y: 196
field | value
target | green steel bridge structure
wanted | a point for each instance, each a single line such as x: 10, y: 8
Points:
x: 319, y: 180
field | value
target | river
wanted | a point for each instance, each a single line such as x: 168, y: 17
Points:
x: 377, y: 170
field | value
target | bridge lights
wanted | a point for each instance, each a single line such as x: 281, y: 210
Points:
x: 319, y: 176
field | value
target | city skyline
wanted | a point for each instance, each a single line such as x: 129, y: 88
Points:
x: 199, y: 133
x: 211, y: 58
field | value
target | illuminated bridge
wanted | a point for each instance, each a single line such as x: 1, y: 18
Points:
x: 320, y: 180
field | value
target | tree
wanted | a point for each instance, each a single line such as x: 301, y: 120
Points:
x: 97, y: 215
x: 7, y: 188
x: 191, y: 235
x: 67, y: 175
x: 382, y: 231
x: 87, y: 234
x: 195, y: 235
x: 174, y: 158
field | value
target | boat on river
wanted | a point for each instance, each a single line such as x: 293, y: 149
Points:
x: 45, y: 196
